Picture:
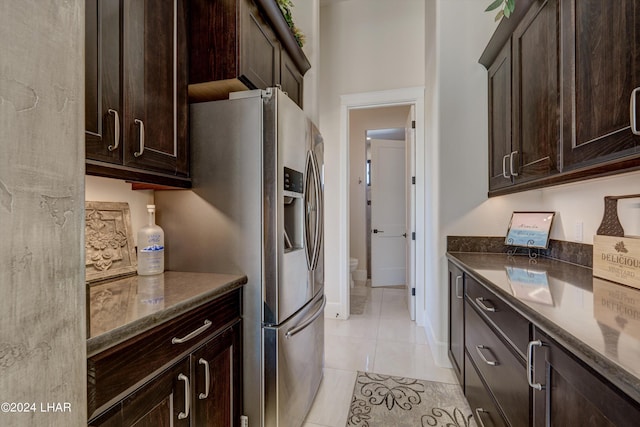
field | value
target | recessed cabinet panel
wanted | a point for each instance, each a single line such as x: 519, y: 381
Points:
x: 155, y: 86
x: 291, y: 80
x: 502, y: 371
x: 500, y: 159
x: 456, y: 320
x: 601, y: 68
x: 260, y: 50
x: 103, y: 104
x: 480, y: 400
x: 573, y: 394
x: 536, y: 92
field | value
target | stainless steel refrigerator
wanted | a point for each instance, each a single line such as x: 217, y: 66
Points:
x: 256, y: 207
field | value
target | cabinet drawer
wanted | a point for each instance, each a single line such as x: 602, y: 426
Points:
x: 480, y: 401
x: 502, y: 371
x: 514, y: 327
x: 118, y: 369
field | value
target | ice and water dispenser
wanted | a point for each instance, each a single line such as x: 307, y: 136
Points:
x: 293, y: 210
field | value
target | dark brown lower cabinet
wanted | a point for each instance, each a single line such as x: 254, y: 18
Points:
x: 216, y: 366
x: 158, y: 403
x: 501, y: 369
x: 185, y: 372
x: 456, y: 321
x: 573, y: 394
x: 482, y: 405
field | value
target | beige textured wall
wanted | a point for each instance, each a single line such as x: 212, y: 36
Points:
x: 42, y: 306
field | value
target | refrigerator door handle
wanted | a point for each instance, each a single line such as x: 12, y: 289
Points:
x: 296, y: 329
x: 318, y: 209
x: 310, y: 240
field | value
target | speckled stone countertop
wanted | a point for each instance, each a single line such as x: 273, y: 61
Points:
x: 597, y: 320
x: 120, y: 309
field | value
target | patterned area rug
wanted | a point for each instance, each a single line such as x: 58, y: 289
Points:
x: 385, y: 401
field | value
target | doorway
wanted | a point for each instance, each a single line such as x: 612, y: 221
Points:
x: 425, y: 193
x: 379, y: 168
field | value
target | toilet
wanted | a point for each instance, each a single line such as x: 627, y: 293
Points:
x: 353, y: 264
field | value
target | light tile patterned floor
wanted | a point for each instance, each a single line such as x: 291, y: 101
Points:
x: 382, y: 340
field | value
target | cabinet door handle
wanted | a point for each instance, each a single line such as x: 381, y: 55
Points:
x: 537, y: 343
x: 513, y: 172
x: 207, y: 379
x: 458, y: 294
x: 201, y: 329
x: 484, y: 359
x: 187, y: 402
x: 481, y: 302
x: 504, y: 166
x: 632, y: 111
x: 116, y: 130
x: 141, y: 125
x: 478, y: 411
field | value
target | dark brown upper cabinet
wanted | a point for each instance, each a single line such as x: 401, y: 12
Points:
x: 535, y: 93
x: 236, y: 45
x: 136, y: 91
x: 501, y: 151
x: 600, y: 70
x: 574, y: 65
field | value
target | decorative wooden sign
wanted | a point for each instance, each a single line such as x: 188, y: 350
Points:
x: 110, y: 251
x: 616, y: 257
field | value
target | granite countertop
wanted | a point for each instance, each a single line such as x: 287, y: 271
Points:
x: 597, y: 320
x: 120, y: 309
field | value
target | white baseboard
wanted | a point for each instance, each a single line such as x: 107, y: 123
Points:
x: 333, y: 310
x: 439, y: 349
x: 360, y: 275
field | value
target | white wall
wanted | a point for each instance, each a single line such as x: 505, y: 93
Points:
x: 98, y: 189
x: 361, y: 120
x: 306, y: 16
x: 365, y: 46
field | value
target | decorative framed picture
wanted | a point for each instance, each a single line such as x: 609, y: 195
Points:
x: 109, y: 246
x: 530, y: 229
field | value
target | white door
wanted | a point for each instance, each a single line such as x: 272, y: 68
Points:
x: 388, y: 213
x: 410, y: 189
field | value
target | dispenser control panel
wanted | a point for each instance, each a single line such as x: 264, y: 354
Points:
x: 293, y: 180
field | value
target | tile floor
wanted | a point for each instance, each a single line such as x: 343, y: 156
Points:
x: 382, y: 340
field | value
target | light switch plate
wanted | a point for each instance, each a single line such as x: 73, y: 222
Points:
x: 578, y: 233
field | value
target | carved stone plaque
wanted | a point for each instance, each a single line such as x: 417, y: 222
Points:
x: 110, y: 251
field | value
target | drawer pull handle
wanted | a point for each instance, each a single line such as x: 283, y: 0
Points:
x: 187, y: 403
x: 537, y: 343
x: 201, y: 329
x: 458, y: 294
x: 484, y: 359
x: 207, y: 379
x: 479, y: 417
x: 481, y: 302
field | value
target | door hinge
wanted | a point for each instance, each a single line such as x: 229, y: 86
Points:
x: 413, y: 124
x: 413, y: 180
x: 413, y: 292
x: 413, y: 235
x: 244, y: 421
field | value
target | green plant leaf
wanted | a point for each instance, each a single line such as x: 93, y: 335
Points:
x: 494, y: 5
x: 510, y: 5
x: 499, y: 15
